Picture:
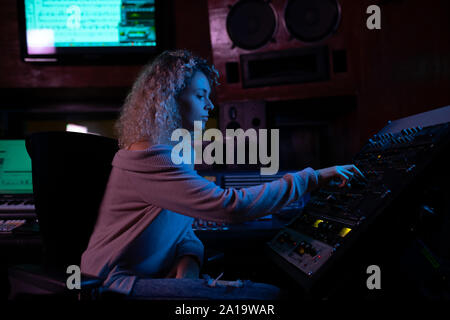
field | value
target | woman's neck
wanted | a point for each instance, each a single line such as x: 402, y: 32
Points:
x: 145, y: 144
x: 139, y: 146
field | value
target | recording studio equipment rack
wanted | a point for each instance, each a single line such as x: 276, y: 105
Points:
x: 335, y: 219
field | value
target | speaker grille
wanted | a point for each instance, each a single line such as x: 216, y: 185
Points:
x: 251, y: 24
x: 312, y: 20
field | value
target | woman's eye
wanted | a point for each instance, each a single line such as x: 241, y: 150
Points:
x: 200, y: 97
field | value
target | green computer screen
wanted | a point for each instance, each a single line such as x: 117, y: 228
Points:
x: 89, y: 23
x: 15, y: 168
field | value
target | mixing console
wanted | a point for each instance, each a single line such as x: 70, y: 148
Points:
x: 334, y: 216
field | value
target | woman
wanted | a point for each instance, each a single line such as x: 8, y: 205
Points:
x: 143, y: 231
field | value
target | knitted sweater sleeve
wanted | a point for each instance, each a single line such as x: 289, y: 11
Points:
x: 190, y: 245
x: 182, y: 190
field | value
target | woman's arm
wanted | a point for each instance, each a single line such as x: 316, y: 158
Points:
x: 182, y: 190
x: 187, y: 267
x: 179, y: 188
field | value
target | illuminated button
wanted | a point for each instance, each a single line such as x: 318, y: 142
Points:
x: 344, y: 231
x: 317, y: 223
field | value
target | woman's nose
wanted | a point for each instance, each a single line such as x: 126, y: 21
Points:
x: 210, y: 105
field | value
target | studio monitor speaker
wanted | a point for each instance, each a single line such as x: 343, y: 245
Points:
x: 242, y: 114
x: 284, y: 49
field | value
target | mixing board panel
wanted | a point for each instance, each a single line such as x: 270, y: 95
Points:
x: 335, y: 217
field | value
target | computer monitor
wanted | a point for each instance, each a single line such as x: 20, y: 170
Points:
x: 118, y: 31
x: 15, y: 168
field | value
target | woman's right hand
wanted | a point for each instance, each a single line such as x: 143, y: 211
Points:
x: 343, y: 173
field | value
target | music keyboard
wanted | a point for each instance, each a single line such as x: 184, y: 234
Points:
x: 16, y: 207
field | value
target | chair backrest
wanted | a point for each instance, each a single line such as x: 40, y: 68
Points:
x: 70, y: 172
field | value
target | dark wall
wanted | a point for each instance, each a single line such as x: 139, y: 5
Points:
x: 406, y: 65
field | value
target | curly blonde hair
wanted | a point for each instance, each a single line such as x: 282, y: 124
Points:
x: 151, y: 111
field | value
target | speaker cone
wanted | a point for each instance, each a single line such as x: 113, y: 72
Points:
x: 251, y: 23
x: 312, y: 20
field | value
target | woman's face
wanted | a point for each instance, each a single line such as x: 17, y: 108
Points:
x: 194, y: 101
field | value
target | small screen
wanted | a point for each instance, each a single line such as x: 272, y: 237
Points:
x: 15, y: 168
x: 53, y: 24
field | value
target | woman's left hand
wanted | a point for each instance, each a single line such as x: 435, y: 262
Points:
x: 187, y: 267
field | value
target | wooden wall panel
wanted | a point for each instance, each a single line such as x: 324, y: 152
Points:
x: 405, y: 66
x: 192, y: 27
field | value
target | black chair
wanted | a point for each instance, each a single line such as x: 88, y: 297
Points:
x: 70, y: 172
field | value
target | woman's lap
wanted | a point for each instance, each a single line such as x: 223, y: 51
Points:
x: 146, y: 288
